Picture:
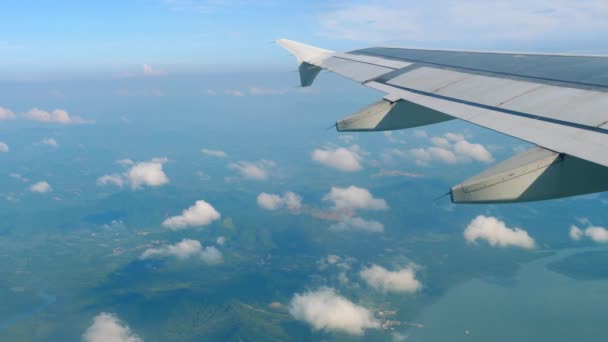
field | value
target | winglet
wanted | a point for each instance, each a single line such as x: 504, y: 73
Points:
x: 308, y: 58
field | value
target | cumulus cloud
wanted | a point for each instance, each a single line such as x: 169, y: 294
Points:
x: 112, y: 179
x: 290, y: 200
x: 183, y: 250
x: 324, y: 309
x: 107, y: 327
x: 211, y: 255
x: 403, y: 280
x: 140, y: 174
x: 3, y: 147
x: 451, y: 148
x: 475, y: 152
x: 496, y: 233
x: 214, y: 153
x: 339, y: 158
x: 220, y: 240
x: 354, y: 198
x: 147, y: 174
x: 6, y: 114
x: 595, y: 233
x: 269, y: 201
x: 357, y: 224
x: 41, y: 187
x: 576, y: 233
x: 200, y: 214
x: 59, y: 116
x: 50, y: 142
x: 425, y: 155
x: 253, y: 170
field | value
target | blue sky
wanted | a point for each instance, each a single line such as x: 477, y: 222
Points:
x: 45, y: 39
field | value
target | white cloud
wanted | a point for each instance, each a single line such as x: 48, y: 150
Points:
x: 147, y: 174
x: 403, y: 280
x: 59, y: 116
x: 575, y: 233
x: 426, y: 155
x: 290, y: 200
x: 451, y: 148
x: 595, y: 233
x: 440, y: 142
x: 476, y: 152
x: 6, y: 114
x: 3, y: 147
x: 50, y: 142
x: 324, y: 309
x: 340, y: 158
x: 253, y: 170
x: 200, y: 214
x: 41, y: 187
x: 269, y: 201
x: 354, y: 198
x: 214, y: 153
x: 148, y: 70
x: 220, y: 240
x: 496, y: 233
x: 211, y: 255
x: 107, y: 327
x: 112, y: 179
x: 182, y: 250
x: 357, y: 224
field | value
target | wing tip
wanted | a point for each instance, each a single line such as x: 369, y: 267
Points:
x: 303, y: 52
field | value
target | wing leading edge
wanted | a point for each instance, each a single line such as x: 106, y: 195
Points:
x: 557, y: 102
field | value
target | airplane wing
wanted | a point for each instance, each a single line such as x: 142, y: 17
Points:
x: 555, y: 101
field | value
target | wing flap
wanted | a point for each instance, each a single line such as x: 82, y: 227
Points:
x: 533, y: 175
